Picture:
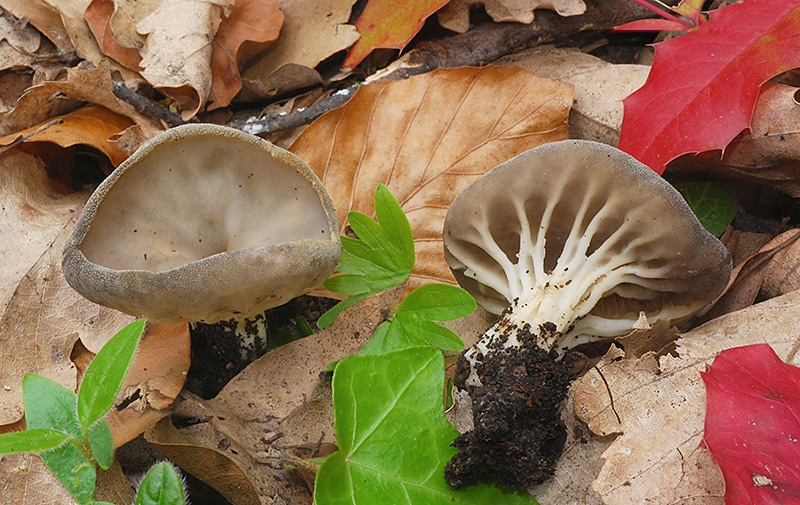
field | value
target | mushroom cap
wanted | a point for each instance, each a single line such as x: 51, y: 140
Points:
x: 203, y: 223
x: 588, y: 219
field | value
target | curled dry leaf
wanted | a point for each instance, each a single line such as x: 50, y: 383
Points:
x: 91, y: 126
x: 600, y: 88
x: 770, y: 153
x: 44, y: 18
x: 251, y: 26
x: 659, y: 408
x: 769, y: 270
x: 98, y: 16
x: 455, y: 15
x: 18, y: 34
x: 54, y: 98
x: 312, y: 31
x: 177, y: 52
x: 42, y: 316
x: 154, y: 380
x: 427, y: 138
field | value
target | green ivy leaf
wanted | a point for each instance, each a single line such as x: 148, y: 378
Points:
x: 711, y: 202
x: 161, y: 486
x: 30, y: 440
x: 105, y: 374
x: 413, y: 322
x: 392, y: 435
x: 102, y: 443
x: 381, y: 258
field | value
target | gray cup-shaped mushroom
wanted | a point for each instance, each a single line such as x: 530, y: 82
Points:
x: 203, y: 223
x: 568, y: 242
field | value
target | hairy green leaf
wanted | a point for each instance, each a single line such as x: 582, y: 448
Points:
x: 712, y: 203
x: 74, y: 470
x: 161, y: 486
x: 381, y: 258
x: 392, y: 435
x: 106, y: 372
x: 51, y: 406
x: 36, y: 440
x: 413, y: 322
x: 101, y: 443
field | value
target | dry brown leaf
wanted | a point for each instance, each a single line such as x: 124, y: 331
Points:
x: 747, y: 277
x: 600, y: 88
x: 770, y: 153
x: 42, y: 316
x: 782, y: 275
x: 426, y: 139
x: 455, y: 15
x: 18, y: 34
x: 46, y: 19
x: 126, y: 16
x: 154, y: 380
x: 312, y: 31
x: 659, y: 407
x: 53, y: 98
x: 26, y: 481
x: 98, y: 16
x: 658, y: 338
x: 176, y: 55
x: 251, y: 26
x: 71, y: 12
x: 91, y: 126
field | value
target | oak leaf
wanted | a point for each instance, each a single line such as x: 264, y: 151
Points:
x: 41, y: 316
x: 177, y: 52
x: 703, y: 85
x: 428, y: 137
x: 312, y: 31
x: 383, y: 25
x: 752, y: 427
x: 455, y: 15
x: 251, y: 26
x: 657, y: 405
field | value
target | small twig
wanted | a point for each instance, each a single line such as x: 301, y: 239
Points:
x: 300, y: 117
x: 144, y: 105
x: 610, y: 395
x: 25, y: 137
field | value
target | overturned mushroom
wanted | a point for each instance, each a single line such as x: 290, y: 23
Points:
x: 568, y: 242
x: 203, y: 223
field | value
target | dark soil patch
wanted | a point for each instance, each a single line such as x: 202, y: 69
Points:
x: 218, y: 354
x: 518, y: 434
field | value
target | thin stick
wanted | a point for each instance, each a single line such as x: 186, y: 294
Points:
x: 25, y: 137
x: 144, y: 105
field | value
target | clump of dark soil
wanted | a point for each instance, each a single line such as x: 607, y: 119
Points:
x: 217, y: 351
x: 518, y: 434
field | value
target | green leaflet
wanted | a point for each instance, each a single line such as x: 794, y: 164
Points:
x: 413, y: 321
x: 711, y: 202
x: 381, y: 258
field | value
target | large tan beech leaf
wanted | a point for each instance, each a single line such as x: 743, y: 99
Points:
x: 427, y: 138
x: 41, y: 317
x: 659, y: 407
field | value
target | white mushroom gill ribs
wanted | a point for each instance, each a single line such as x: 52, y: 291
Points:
x: 569, y: 242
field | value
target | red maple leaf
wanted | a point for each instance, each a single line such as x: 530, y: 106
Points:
x: 703, y: 85
x: 752, y: 425
x: 389, y: 24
